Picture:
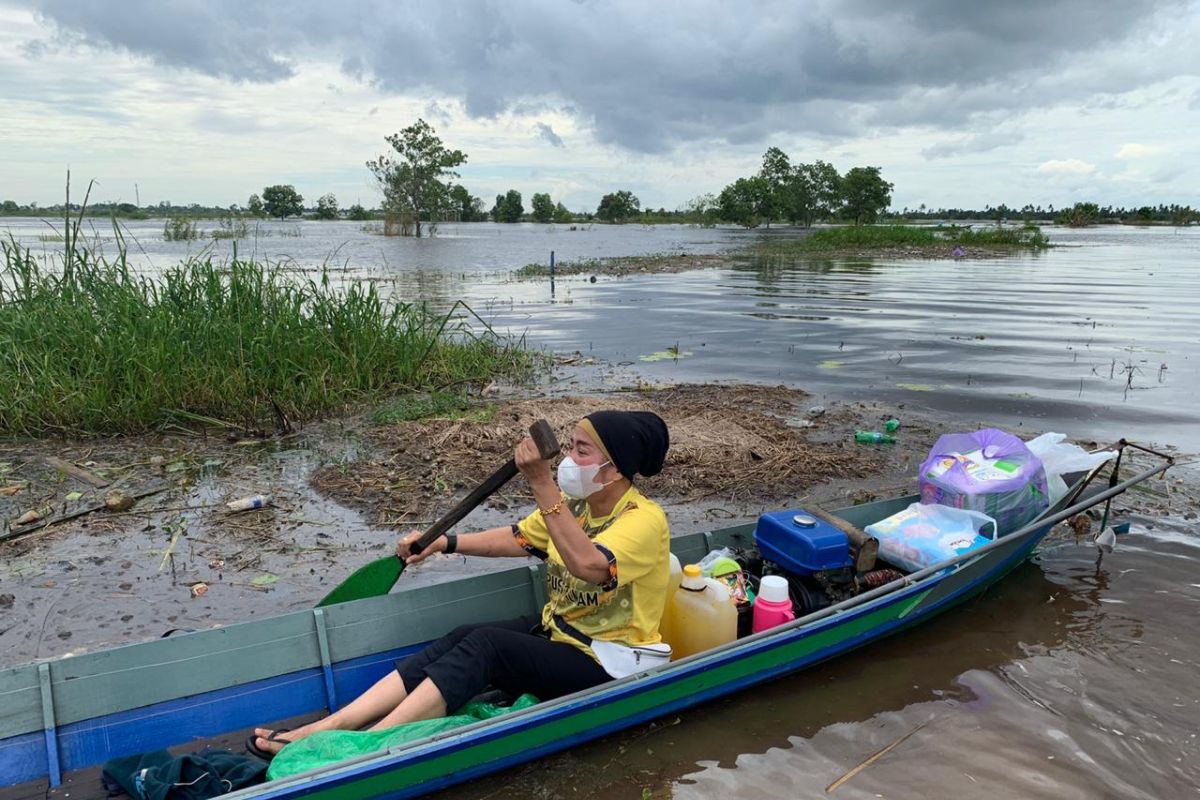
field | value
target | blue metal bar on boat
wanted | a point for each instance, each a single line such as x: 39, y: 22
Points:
x: 326, y: 661
x: 53, y: 768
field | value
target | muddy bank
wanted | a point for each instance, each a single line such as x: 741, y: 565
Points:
x: 739, y: 444
x: 343, y: 489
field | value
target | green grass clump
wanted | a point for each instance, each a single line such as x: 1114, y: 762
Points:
x: 178, y: 229
x: 91, y: 347
x: 442, y: 405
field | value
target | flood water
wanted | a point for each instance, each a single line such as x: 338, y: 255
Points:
x: 1066, y: 680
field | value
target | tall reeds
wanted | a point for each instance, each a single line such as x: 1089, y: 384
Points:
x: 89, y: 346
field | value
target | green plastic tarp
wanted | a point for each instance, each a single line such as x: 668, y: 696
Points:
x: 329, y: 747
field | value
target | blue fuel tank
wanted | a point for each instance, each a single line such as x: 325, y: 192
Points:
x: 801, y: 543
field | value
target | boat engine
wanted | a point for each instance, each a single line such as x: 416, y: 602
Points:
x: 813, y: 554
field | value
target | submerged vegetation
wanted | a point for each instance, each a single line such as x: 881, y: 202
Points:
x: 924, y: 240
x: 92, y: 347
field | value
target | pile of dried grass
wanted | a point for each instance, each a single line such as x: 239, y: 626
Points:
x: 727, y: 442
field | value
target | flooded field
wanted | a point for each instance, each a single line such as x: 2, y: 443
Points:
x: 1070, y: 679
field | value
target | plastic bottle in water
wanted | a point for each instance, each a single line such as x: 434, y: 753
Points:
x: 873, y: 437
x: 250, y: 503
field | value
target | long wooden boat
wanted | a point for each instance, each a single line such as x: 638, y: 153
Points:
x: 76, y: 712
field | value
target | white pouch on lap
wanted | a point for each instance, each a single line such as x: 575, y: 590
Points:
x: 621, y: 660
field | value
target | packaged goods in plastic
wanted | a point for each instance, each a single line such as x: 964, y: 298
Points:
x: 989, y: 471
x: 926, y: 534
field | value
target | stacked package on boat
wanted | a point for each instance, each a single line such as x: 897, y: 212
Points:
x: 989, y: 471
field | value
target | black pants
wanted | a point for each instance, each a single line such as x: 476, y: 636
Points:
x: 504, y: 655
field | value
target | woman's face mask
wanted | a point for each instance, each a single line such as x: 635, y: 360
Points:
x: 578, y: 481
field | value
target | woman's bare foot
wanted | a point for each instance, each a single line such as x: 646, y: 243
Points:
x: 269, y: 740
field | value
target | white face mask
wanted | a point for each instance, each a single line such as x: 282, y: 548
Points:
x: 578, y: 481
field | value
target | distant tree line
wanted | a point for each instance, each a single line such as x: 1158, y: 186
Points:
x: 415, y: 180
x: 1079, y: 215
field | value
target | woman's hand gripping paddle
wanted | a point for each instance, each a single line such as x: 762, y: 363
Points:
x: 378, y: 577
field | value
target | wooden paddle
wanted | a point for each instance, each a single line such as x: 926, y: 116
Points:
x: 378, y: 577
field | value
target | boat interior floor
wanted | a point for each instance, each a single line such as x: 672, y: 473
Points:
x: 85, y: 784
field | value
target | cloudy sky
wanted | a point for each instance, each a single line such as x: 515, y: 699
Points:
x: 961, y: 103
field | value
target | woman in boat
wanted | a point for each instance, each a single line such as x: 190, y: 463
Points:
x: 607, y: 550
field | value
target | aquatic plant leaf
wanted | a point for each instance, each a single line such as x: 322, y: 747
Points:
x: 264, y: 580
x: 830, y: 363
x: 916, y: 387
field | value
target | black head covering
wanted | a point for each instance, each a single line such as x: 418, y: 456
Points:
x: 635, y: 441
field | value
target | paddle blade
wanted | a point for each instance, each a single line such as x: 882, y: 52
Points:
x: 370, y: 580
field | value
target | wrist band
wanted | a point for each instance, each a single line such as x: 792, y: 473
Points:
x: 451, y: 543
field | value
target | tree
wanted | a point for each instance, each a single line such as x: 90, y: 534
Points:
x: 826, y: 186
x: 746, y: 201
x: 282, y: 200
x: 563, y: 214
x: 618, y: 206
x: 778, y: 173
x: 412, y: 180
x: 10, y: 207
x: 543, y: 208
x: 703, y: 210
x: 327, y: 207
x: 357, y: 213
x: 1080, y: 215
x: 865, y: 195
x: 809, y: 193
x: 508, y: 207
x: 468, y: 207
x: 255, y: 206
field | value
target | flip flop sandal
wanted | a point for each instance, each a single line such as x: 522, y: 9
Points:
x: 266, y: 755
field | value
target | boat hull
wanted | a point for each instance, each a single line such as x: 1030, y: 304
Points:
x: 81, y: 711
x: 481, y: 749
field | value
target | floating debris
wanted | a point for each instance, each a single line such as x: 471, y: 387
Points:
x: 250, y: 503
x: 116, y: 500
x: 199, y: 589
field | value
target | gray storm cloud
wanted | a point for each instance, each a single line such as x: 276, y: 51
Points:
x: 648, y: 76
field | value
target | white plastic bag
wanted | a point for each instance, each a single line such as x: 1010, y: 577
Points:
x: 1061, y: 458
x: 925, y: 534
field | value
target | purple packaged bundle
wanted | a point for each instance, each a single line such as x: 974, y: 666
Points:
x: 989, y: 471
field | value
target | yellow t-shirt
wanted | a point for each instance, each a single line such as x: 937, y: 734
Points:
x: 629, y: 606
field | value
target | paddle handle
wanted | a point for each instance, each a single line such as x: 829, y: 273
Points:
x: 547, y: 444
